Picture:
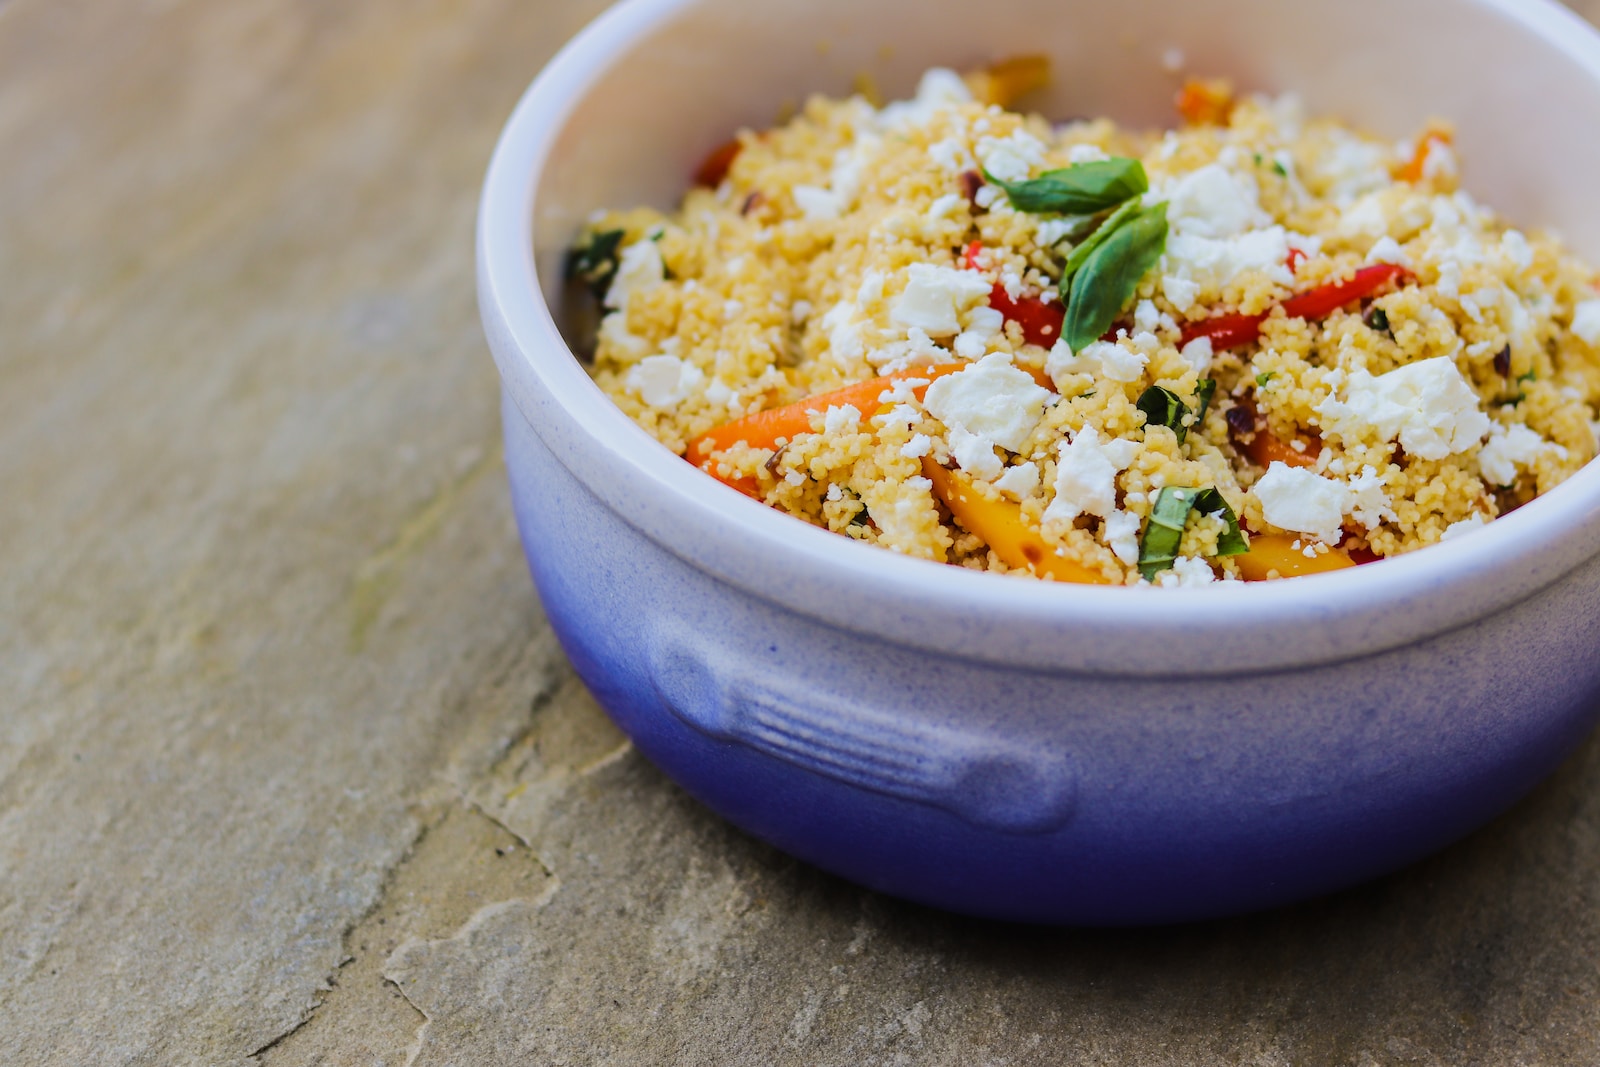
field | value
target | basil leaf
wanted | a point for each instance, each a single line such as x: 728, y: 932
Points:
x: 594, y: 261
x: 1110, y: 275
x: 1162, y: 407
x: 1079, y: 253
x: 1081, y: 189
x: 1204, y: 389
x: 1232, y: 541
x: 1163, y: 531
x: 1158, y: 547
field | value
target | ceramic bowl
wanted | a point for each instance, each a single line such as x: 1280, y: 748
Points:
x: 1017, y: 749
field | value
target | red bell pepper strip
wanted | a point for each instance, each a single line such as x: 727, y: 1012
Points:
x: 1040, y: 321
x: 1234, y: 328
x: 714, y: 167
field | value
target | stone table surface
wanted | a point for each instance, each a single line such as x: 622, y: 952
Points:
x: 291, y: 769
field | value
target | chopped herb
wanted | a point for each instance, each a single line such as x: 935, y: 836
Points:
x: 1204, y: 390
x: 1257, y: 156
x: 1377, y: 319
x: 594, y: 261
x: 1279, y: 168
x: 1264, y: 377
x: 1111, y: 273
x: 1163, y: 533
x: 1081, y: 189
x: 1082, y: 252
x: 1162, y: 407
x: 1502, y: 362
x: 1532, y: 375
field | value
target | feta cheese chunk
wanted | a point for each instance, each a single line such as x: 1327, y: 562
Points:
x: 1019, y: 481
x: 1122, y: 534
x: 1472, y: 522
x: 1509, y: 448
x: 639, y: 269
x: 934, y: 298
x: 1428, y: 405
x: 1293, y: 498
x: 1213, y: 202
x: 1586, y: 322
x: 1011, y: 158
x: 1186, y: 572
x: 1086, y: 475
x: 661, y: 381
x: 1368, y: 504
x: 817, y: 204
x: 974, y: 453
x: 991, y: 398
x: 846, y: 419
x: 1103, y: 358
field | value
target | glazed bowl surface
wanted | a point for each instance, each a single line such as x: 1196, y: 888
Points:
x: 1022, y: 749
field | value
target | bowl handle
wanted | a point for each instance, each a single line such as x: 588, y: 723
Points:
x: 1014, y: 787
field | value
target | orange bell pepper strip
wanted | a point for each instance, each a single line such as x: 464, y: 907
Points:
x: 1276, y: 552
x: 1263, y: 447
x: 1414, y: 169
x: 999, y: 523
x: 1234, y: 328
x: 1007, y: 81
x: 764, y: 428
x: 1205, y: 103
x: 714, y: 167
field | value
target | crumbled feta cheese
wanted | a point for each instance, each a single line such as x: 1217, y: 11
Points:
x: 992, y: 398
x: 1388, y: 250
x: 1086, y: 475
x: 1180, y: 292
x: 1122, y: 534
x: 1475, y: 521
x: 1086, y: 153
x: 938, y: 90
x: 1517, y: 249
x: 817, y: 204
x: 935, y: 296
x: 1367, y: 503
x: 845, y: 342
x: 1428, y: 405
x: 975, y: 453
x: 951, y: 155
x: 1212, y: 263
x: 624, y: 344
x: 1105, y: 358
x: 1198, y: 354
x: 1293, y: 498
x: 871, y: 287
x: 1212, y: 202
x: 661, y: 381
x: 919, y: 446
x: 1011, y: 158
x: 1586, y: 322
x: 639, y: 269
x: 986, y: 196
x: 983, y: 325
x: 945, y: 205
x: 846, y: 419
x: 1352, y: 166
x: 1186, y: 571
x: 1020, y: 480
x: 1365, y: 218
x: 1051, y: 232
x: 1509, y: 448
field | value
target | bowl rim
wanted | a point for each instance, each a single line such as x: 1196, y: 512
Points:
x: 872, y: 591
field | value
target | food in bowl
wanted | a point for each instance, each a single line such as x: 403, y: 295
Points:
x: 1258, y: 346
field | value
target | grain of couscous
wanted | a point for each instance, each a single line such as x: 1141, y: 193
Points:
x: 1257, y: 346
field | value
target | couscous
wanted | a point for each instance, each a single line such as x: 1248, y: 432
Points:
x: 1257, y: 346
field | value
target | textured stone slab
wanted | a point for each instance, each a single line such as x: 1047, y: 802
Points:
x: 291, y: 769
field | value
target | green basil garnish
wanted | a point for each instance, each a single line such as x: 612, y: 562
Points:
x: 594, y: 261
x: 1081, y: 189
x: 1158, y: 547
x: 1162, y: 407
x: 1081, y: 252
x: 1111, y: 273
x: 1204, y: 389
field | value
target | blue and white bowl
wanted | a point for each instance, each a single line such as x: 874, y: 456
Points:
x: 1017, y: 749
